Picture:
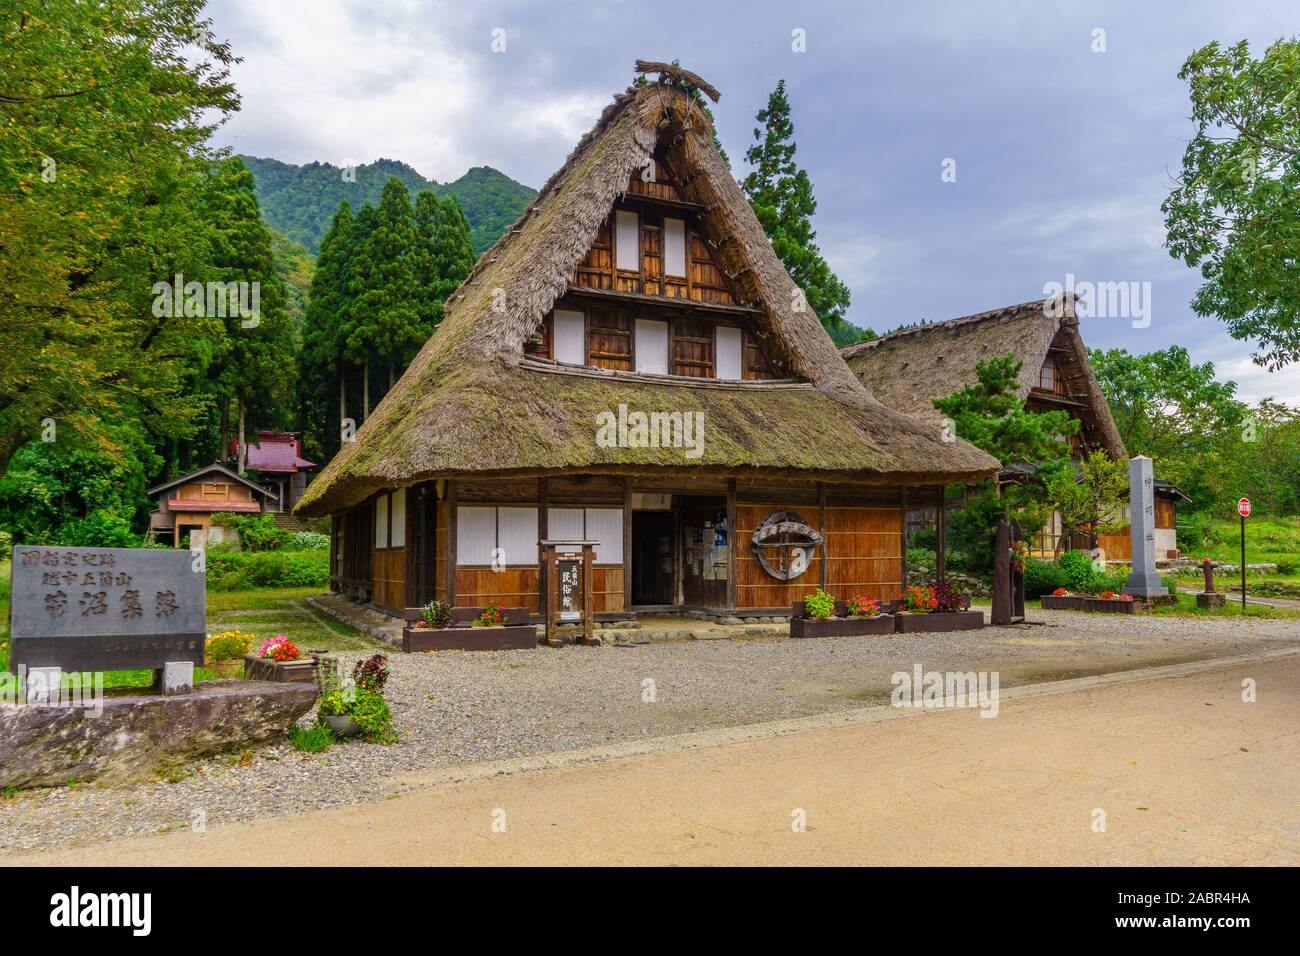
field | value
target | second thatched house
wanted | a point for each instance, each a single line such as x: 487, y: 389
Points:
x: 910, y: 368
x: 630, y: 364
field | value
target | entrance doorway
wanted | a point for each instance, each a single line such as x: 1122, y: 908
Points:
x: 706, y: 558
x: 653, y: 557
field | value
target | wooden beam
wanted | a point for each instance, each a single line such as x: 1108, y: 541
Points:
x: 731, y: 544
x: 411, y: 554
x: 627, y: 544
x: 940, y: 524
x: 450, y: 569
x: 902, y: 513
x: 821, y: 526
x: 543, y: 534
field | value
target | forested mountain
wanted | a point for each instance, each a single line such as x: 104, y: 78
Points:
x: 300, y: 201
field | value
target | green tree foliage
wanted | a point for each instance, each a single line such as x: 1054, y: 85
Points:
x: 1091, y: 498
x: 323, y: 374
x: 782, y: 196
x: 107, y: 110
x: 1201, y: 437
x: 1235, y: 211
x: 990, y: 415
x: 256, y: 368
x: 300, y: 201
x: 67, y: 493
x: 385, y: 327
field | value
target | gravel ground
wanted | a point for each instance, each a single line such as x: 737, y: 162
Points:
x: 456, y: 708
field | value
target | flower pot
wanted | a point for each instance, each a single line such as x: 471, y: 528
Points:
x: 263, y: 668
x: 913, y: 623
x: 225, y: 669
x: 341, y: 725
x: 841, y: 626
x: 513, y: 637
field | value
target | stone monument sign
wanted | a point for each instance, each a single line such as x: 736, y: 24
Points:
x: 101, y: 609
x: 1143, y: 581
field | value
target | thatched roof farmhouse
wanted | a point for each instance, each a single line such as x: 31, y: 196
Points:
x: 639, y: 282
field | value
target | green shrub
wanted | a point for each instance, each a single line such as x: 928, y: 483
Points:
x: 310, y: 740
x: 819, y: 605
x: 6, y: 545
x: 927, y: 539
x: 1042, y: 577
x: 99, y: 529
x: 308, y: 541
x: 922, y: 558
x: 241, y: 570
x: 366, y: 707
x: 256, y: 533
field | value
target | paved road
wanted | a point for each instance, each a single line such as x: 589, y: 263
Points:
x: 1184, y: 771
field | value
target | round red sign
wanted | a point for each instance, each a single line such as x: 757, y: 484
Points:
x: 1243, y: 507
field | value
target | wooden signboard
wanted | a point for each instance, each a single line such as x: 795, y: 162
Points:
x: 568, y: 570
x: 102, y: 609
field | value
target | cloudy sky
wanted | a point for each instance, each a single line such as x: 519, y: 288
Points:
x: 1062, y: 152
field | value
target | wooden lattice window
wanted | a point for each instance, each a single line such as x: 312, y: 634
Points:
x: 692, y: 348
x: 609, y: 342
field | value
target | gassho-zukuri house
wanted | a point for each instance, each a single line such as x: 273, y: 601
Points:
x: 631, y: 365
x: 910, y: 368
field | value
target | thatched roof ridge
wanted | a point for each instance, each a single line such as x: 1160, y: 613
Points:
x: 472, y: 402
x: 911, y: 367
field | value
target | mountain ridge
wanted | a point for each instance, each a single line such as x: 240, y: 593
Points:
x: 299, y: 200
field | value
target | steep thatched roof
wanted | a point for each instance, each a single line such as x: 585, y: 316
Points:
x: 472, y: 402
x: 910, y: 368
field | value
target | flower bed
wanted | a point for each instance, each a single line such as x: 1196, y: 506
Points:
x: 913, y: 623
x: 1108, y: 602
x: 466, y: 629
x: 844, y: 623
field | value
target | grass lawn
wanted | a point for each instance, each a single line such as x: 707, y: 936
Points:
x: 1186, y: 607
x: 264, y: 612
x: 1268, y: 541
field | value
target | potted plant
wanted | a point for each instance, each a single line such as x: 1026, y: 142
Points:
x: 279, y: 659
x: 360, y: 707
x: 492, y: 616
x: 863, y: 607
x: 224, y: 652
x: 435, y: 616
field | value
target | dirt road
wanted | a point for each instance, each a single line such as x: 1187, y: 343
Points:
x: 1177, y: 767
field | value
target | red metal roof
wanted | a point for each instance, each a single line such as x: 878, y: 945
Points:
x: 277, y: 453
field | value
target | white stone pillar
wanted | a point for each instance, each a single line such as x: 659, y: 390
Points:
x: 1144, y: 581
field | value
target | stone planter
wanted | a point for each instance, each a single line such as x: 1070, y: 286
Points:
x: 841, y: 626
x: 516, y: 637
x: 909, y: 623
x: 291, y: 672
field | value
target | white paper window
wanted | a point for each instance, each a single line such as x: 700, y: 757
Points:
x: 652, y: 346
x: 731, y: 350
x: 565, y: 524
x: 606, y: 526
x: 397, y: 539
x: 674, y: 247
x: 517, y: 535
x: 570, y: 337
x: 627, y: 241
x: 476, y: 535
x: 381, y: 521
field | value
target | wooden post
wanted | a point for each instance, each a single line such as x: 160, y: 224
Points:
x: 409, y: 596
x: 940, y: 527
x: 627, y: 544
x: 902, y: 533
x: 731, y: 543
x: 450, y: 569
x: 1002, y: 576
x: 543, y: 532
x: 821, y: 526
x: 1017, y: 578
